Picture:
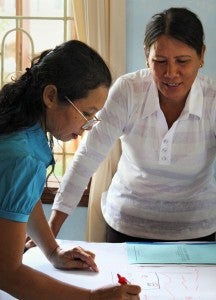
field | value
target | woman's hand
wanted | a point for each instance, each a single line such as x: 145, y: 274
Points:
x: 122, y: 292
x: 29, y: 243
x: 76, y: 258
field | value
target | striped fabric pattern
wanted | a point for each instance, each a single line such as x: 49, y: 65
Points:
x: 164, y: 187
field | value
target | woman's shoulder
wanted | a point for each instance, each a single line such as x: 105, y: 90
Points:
x: 141, y: 74
x: 136, y: 81
x: 207, y: 82
x: 29, y: 142
x: 17, y: 141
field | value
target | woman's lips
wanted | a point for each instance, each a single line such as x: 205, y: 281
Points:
x: 172, y: 84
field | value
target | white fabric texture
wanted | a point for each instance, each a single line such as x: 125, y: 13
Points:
x: 164, y: 187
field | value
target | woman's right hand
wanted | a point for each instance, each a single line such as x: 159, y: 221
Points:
x: 117, y: 292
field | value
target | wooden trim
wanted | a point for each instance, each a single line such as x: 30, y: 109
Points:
x: 50, y: 192
x: 48, y: 195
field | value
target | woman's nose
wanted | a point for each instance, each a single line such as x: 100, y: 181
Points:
x: 171, y: 70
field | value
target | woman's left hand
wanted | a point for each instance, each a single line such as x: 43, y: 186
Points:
x: 76, y: 258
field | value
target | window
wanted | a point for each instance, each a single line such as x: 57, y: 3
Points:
x: 28, y: 27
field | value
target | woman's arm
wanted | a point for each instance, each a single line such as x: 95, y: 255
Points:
x: 39, y: 231
x: 24, y: 282
x: 21, y: 281
x: 56, y: 220
x: 94, y: 147
x: 42, y: 235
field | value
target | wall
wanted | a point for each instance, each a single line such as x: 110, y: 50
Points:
x: 138, y: 13
x: 75, y: 225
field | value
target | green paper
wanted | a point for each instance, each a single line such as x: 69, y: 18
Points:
x: 171, y: 253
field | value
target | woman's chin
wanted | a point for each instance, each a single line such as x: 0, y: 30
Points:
x: 67, y: 138
x: 74, y: 136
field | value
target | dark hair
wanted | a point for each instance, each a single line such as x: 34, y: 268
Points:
x: 178, y: 23
x: 73, y: 67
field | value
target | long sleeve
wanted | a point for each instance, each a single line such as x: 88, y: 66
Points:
x: 92, y: 150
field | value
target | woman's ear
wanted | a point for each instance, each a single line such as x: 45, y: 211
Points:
x: 50, y: 95
x: 202, y: 56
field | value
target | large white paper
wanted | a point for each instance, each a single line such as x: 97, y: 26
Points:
x: 158, y: 282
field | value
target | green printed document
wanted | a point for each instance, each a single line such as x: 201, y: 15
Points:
x: 171, y: 253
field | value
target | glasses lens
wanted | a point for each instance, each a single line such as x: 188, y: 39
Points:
x: 89, y: 124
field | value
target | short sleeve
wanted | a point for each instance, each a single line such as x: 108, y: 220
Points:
x: 21, y: 185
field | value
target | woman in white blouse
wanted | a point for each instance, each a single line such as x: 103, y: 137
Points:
x: 164, y: 187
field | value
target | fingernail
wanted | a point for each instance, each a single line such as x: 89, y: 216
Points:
x: 96, y: 269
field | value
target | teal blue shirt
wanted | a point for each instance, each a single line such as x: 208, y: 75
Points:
x: 24, y: 157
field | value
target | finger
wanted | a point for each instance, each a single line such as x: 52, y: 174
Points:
x: 29, y: 244
x: 79, y: 264
x: 132, y: 289
x: 90, y: 253
x: 85, y: 251
x: 90, y: 263
x: 80, y: 254
x: 28, y: 238
x: 84, y: 256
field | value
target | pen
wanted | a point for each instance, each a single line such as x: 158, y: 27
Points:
x: 122, y: 280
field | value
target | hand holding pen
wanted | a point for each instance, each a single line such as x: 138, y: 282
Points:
x: 117, y: 292
x: 124, y: 291
x: 132, y: 291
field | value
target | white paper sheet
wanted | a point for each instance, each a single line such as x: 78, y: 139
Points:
x: 174, y: 282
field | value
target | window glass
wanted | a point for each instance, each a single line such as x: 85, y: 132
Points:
x: 28, y: 27
x: 8, y: 7
x: 45, y: 8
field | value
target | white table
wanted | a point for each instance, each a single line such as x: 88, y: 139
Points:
x: 176, y: 282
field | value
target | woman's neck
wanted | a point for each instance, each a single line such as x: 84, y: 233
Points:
x: 172, y: 110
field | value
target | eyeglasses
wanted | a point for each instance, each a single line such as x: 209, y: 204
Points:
x: 89, y: 123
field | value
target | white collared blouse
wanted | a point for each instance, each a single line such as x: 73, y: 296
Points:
x: 164, y: 187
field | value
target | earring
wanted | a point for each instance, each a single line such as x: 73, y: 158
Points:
x: 201, y: 65
x: 147, y: 64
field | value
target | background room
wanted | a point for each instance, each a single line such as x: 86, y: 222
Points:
x: 46, y: 24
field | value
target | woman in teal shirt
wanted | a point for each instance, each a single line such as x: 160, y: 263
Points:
x: 60, y: 94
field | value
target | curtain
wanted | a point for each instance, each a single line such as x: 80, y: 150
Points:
x: 96, y: 225
x: 101, y: 24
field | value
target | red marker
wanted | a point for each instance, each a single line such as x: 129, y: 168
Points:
x: 122, y: 280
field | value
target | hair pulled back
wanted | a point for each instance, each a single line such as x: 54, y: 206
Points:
x: 178, y: 23
x: 73, y: 67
